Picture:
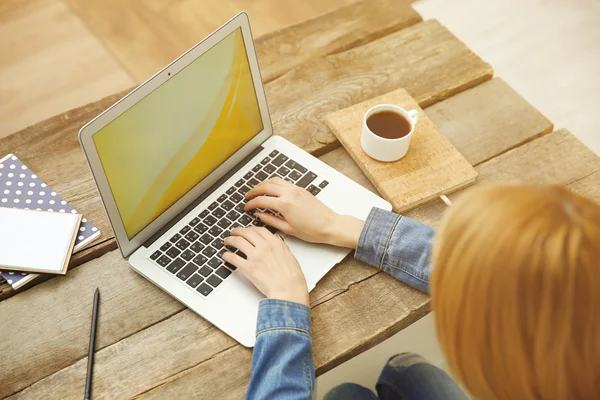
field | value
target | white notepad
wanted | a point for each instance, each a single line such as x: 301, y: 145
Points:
x: 37, y: 241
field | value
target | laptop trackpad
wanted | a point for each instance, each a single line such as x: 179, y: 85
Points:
x: 315, y: 259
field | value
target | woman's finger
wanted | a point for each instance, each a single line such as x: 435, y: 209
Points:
x: 236, y: 260
x: 239, y: 243
x: 270, y: 188
x: 271, y: 203
x: 275, y: 222
x: 250, y: 235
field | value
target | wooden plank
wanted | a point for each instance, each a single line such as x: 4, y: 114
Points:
x: 481, y: 137
x: 474, y: 109
x: 146, y: 35
x: 356, y: 24
x: 353, y: 292
x: 428, y: 61
x: 50, y: 63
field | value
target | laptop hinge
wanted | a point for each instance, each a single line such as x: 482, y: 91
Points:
x: 201, y: 198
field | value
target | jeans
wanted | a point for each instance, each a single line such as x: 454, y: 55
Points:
x: 406, y: 376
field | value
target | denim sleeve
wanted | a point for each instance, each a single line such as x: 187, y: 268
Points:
x: 398, y: 245
x: 282, y: 363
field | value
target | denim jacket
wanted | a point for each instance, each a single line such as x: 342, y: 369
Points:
x: 282, y: 363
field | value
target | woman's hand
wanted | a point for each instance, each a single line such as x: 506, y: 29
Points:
x: 269, y: 264
x: 304, y: 216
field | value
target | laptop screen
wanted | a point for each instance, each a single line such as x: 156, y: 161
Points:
x: 163, y: 146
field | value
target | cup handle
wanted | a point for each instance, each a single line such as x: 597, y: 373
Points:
x: 414, y: 115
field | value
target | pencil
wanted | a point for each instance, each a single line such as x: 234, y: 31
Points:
x: 90, y: 366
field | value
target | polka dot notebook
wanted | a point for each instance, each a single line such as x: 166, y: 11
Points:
x: 21, y: 188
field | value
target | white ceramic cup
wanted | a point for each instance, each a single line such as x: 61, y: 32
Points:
x: 383, y: 149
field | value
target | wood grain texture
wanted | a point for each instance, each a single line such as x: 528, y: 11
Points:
x: 356, y: 24
x: 144, y: 36
x: 432, y: 166
x: 352, y: 298
x: 507, y: 120
x: 428, y: 61
x: 49, y: 63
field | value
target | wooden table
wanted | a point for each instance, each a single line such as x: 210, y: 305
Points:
x: 149, y: 344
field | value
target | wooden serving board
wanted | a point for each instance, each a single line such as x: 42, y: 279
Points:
x: 432, y: 166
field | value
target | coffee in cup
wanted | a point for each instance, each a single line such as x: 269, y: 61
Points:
x: 387, y: 131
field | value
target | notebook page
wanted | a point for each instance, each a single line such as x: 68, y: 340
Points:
x: 36, y: 241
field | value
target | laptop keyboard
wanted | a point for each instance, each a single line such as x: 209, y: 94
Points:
x: 194, y: 254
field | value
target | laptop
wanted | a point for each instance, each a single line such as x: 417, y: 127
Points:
x: 173, y: 160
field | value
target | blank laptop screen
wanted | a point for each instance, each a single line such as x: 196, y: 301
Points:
x: 164, y: 145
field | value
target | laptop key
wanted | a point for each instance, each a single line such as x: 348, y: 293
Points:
x: 295, y: 175
x: 306, y: 179
x: 225, y: 233
x: 224, y: 223
x: 223, y: 272
x: 280, y: 159
x: 196, y: 247
x: 187, y: 271
x: 253, y: 182
x: 219, y: 212
x: 155, y: 255
x: 195, y: 280
x: 265, y: 160
x: 233, y: 215
x: 204, y: 289
x: 273, y: 153
x: 217, y: 243
x: 323, y: 184
x: 165, y: 246
x: 185, y: 230
x: 205, y: 271
x: 269, y: 169
x: 283, y: 171
x: 209, y: 251
x: 240, y: 208
x: 230, y: 191
x: 214, y: 263
x: 201, y: 228
x: 175, y: 265
x: 212, y: 206
x: 256, y: 168
x: 195, y: 221
x: 206, y: 239
x: 227, y: 205
x: 230, y: 266
x: 236, y: 197
x: 315, y: 191
x: 200, y: 260
x: 294, y: 165
x: 239, y: 183
x: 310, y: 188
x: 210, y: 220
x: 222, y: 198
x: 188, y: 255
x: 163, y: 261
x: 215, y: 231
x: 248, y: 175
x: 244, y: 189
x: 261, y: 176
x: 192, y: 236
x: 175, y: 238
x: 182, y: 244
x: 173, y: 252
x: 204, y: 213
x: 245, y: 220
x: 214, y: 280
x: 271, y: 229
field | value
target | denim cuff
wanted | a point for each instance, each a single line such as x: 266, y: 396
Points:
x: 282, y: 315
x: 375, y: 237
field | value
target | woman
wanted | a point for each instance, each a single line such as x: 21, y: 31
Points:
x: 515, y: 287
